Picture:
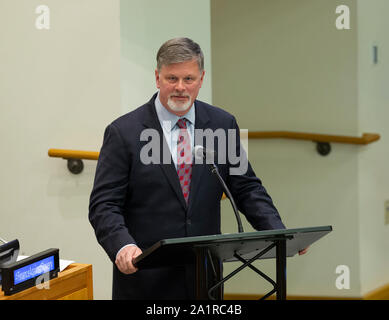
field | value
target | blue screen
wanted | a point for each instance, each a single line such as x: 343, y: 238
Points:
x: 33, y: 270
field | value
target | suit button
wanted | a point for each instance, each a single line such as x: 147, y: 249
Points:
x: 188, y: 222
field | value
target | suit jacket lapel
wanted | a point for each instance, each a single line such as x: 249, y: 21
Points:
x: 151, y: 121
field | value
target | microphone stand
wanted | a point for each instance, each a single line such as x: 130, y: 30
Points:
x: 215, y: 171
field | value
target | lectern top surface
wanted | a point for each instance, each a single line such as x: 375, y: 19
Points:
x: 246, y: 235
x: 225, y: 246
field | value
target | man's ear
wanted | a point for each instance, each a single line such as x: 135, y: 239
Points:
x: 157, y: 78
x: 202, y: 78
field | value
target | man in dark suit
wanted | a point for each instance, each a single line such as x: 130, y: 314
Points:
x: 147, y: 189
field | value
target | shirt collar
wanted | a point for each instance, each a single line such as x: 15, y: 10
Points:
x: 167, y: 119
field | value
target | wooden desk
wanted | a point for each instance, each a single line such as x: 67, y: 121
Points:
x: 74, y: 283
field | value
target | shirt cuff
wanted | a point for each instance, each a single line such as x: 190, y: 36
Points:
x: 127, y: 245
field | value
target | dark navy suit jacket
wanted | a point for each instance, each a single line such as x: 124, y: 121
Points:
x: 133, y: 202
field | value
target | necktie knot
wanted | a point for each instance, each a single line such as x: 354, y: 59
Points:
x: 181, y: 123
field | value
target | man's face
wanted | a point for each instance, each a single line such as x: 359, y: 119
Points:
x: 179, y: 85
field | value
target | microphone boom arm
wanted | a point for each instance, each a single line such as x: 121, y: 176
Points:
x: 215, y: 171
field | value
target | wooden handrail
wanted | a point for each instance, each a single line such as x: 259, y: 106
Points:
x: 365, y: 139
x: 73, y: 154
x: 323, y: 138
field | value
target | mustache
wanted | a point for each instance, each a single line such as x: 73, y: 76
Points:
x: 178, y: 94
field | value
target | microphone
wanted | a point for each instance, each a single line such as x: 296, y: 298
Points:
x: 8, y: 252
x: 201, y: 153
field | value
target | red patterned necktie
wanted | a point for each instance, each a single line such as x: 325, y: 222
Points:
x: 184, y: 158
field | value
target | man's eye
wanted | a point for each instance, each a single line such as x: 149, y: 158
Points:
x: 188, y: 79
x: 172, y: 78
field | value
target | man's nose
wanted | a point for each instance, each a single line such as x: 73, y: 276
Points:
x: 180, y: 86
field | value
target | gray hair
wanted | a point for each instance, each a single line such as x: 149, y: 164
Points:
x: 179, y: 50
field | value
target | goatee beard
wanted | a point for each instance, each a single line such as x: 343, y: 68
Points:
x: 179, y: 107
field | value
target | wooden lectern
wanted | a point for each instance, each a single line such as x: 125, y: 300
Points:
x: 73, y: 283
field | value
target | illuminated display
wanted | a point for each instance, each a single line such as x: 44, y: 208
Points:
x: 33, y: 270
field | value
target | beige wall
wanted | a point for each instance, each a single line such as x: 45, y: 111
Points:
x: 58, y: 89
x: 373, y: 170
x: 291, y: 58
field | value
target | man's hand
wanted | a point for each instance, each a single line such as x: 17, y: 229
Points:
x: 304, y: 251
x: 124, y: 259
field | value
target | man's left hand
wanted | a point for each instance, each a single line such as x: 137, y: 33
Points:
x: 304, y: 251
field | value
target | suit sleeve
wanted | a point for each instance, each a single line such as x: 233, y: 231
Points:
x: 249, y: 194
x: 109, y: 192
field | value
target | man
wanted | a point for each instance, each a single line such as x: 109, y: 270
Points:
x: 136, y: 202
